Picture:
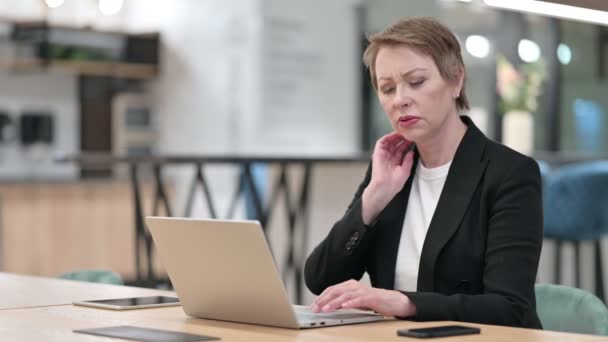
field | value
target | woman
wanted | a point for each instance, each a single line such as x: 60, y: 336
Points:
x: 447, y: 223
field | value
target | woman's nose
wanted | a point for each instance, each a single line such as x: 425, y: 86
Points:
x: 403, y: 97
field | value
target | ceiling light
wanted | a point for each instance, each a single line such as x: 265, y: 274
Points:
x: 477, y: 46
x: 53, y: 3
x: 552, y: 9
x: 528, y: 51
x: 110, y: 7
x: 564, y: 54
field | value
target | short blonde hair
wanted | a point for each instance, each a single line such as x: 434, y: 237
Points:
x: 427, y: 36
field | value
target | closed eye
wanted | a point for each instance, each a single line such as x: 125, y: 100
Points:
x: 387, y: 90
x: 417, y: 83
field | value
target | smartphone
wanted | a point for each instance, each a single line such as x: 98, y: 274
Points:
x: 131, y: 303
x: 441, y: 331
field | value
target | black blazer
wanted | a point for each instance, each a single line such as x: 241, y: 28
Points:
x: 482, y: 248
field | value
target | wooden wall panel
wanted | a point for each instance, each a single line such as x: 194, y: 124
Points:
x: 48, y: 229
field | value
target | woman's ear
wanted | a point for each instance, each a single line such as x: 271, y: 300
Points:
x: 459, y: 81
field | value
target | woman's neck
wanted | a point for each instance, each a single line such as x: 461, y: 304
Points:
x: 441, y: 148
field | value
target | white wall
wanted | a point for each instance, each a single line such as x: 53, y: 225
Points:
x: 49, y: 92
x: 310, y: 81
x: 227, y: 69
x: 71, y: 12
x: 220, y: 59
x: 196, y: 88
x: 23, y: 10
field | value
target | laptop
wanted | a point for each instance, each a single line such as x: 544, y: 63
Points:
x: 224, y: 270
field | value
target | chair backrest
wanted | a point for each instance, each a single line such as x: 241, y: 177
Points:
x: 544, y: 168
x: 568, y: 309
x: 575, y: 202
x: 94, y: 276
x: 545, y: 171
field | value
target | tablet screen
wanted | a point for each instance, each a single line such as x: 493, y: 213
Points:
x: 136, y: 301
x: 145, y: 334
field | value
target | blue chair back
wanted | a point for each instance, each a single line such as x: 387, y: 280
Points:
x: 545, y: 171
x: 576, y: 202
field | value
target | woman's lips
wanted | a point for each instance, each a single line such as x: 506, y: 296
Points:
x: 408, y: 121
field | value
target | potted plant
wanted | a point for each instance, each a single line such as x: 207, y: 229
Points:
x: 518, y: 90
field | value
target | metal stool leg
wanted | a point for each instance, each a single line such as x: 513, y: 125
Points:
x: 558, y: 262
x: 577, y: 264
x: 599, y: 271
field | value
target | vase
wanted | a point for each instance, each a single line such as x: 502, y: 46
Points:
x: 480, y: 118
x: 518, y: 131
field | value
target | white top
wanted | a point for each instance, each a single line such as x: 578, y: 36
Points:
x: 426, y: 189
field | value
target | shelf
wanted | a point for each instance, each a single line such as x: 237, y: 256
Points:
x: 92, y: 68
x: 41, y: 47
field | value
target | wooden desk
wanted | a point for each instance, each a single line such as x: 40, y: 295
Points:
x: 20, y: 291
x: 56, y: 323
x: 26, y: 318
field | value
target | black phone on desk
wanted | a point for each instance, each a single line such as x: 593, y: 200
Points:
x: 440, y: 331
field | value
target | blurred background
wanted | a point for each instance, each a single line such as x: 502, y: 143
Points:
x: 111, y: 110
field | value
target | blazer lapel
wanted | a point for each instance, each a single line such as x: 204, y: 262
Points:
x: 465, y: 172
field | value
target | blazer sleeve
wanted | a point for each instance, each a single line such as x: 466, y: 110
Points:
x: 342, y: 255
x: 514, y: 241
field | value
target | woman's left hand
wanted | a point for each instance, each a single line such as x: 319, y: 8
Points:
x: 353, y: 294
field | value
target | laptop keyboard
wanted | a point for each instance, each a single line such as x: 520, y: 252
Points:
x: 304, y: 313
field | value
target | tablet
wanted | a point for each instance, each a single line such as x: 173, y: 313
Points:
x: 145, y: 334
x: 131, y: 303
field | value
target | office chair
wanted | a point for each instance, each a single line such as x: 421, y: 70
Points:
x: 575, y: 210
x: 568, y: 309
x: 545, y: 170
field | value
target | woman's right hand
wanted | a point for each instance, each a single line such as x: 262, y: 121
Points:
x: 390, y: 170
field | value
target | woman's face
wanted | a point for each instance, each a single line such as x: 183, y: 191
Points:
x: 417, y: 100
